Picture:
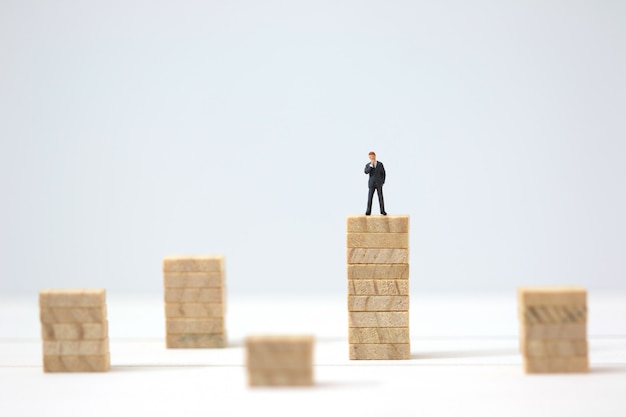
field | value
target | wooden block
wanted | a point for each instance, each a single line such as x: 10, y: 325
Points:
x: 556, y: 365
x: 193, y: 295
x: 378, y: 319
x: 554, y: 331
x: 380, y: 351
x: 278, y: 352
x: 193, y: 264
x: 551, y: 296
x: 377, y: 256
x: 196, y: 341
x: 290, y: 378
x: 378, y: 240
x: 560, y: 314
x: 372, y: 335
x: 378, y: 287
x: 378, y: 271
x: 378, y: 303
x: 52, y: 315
x: 98, y: 363
x: 194, y: 310
x: 75, y: 331
x: 193, y: 279
x: 195, y: 326
x: 73, y: 348
x: 554, y: 348
x: 378, y: 224
x: 72, y: 297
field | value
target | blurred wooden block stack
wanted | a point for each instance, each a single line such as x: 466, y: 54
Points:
x: 74, y: 329
x: 194, y: 301
x: 279, y: 360
x: 378, y: 287
x: 553, y: 329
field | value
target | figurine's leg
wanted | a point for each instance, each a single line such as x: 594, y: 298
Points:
x: 381, y: 200
x: 370, y: 196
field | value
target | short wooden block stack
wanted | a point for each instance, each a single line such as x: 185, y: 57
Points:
x: 378, y: 287
x: 74, y: 329
x: 553, y: 329
x: 194, y: 301
x: 279, y: 360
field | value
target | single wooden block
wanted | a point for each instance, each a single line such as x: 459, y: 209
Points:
x: 97, y: 363
x: 52, y: 315
x: 195, y: 326
x: 378, y: 303
x: 72, y: 297
x: 551, y: 296
x: 193, y: 264
x: 378, y: 271
x: 559, y: 314
x: 378, y: 224
x: 380, y: 351
x: 372, y: 335
x: 377, y: 256
x: 194, y: 295
x: 378, y: 287
x: 378, y: 240
x: 194, y: 310
x: 554, y: 331
x: 378, y: 319
x: 196, y: 341
x: 75, y: 331
x: 284, y: 378
x: 554, y: 348
x: 556, y: 365
x: 279, y: 352
x: 73, y: 348
x: 193, y: 279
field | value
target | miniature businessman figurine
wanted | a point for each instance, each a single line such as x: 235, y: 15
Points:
x: 376, y: 171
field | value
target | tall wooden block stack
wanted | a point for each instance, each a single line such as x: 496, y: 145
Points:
x: 194, y: 301
x: 279, y: 360
x: 74, y: 329
x: 553, y: 329
x: 378, y: 287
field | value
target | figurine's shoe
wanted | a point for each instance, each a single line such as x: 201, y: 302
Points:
x: 367, y: 214
x: 384, y: 213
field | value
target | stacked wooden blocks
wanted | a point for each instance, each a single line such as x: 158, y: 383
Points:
x: 378, y: 287
x: 194, y: 301
x: 74, y: 329
x: 553, y: 329
x: 280, y: 360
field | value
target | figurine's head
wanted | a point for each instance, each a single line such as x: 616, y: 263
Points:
x: 372, y: 157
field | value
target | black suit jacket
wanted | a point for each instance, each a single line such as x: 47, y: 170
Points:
x: 377, y: 175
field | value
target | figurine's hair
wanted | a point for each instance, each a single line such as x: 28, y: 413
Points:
x: 372, y: 153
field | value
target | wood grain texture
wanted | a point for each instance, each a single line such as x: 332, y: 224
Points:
x: 75, y: 348
x: 195, y: 325
x: 378, y: 271
x: 193, y: 279
x: 75, y: 331
x: 378, y: 319
x: 196, y: 341
x: 53, y: 315
x: 377, y: 224
x: 378, y: 303
x: 378, y: 287
x: 377, y: 256
x: 73, y: 297
x: 554, y: 348
x: 193, y: 264
x: 378, y: 240
x: 554, y: 331
x: 194, y: 295
x: 556, y: 365
x: 377, y: 335
x: 551, y: 296
x: 558, y: 314
x: 194, y: 310
x: 396, y: 351
x: 98, y: 363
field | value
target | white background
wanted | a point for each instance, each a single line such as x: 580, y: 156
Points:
x: 132, y: 130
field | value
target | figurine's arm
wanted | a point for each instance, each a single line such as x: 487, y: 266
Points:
x: 384, y: 173
x: 368, y: 168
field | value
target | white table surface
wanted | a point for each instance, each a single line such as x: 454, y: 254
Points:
x: 465, y: 362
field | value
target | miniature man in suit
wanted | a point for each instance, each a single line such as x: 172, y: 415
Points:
x: 376, y: 171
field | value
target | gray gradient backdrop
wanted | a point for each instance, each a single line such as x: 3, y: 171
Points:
x: 131, y: 130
